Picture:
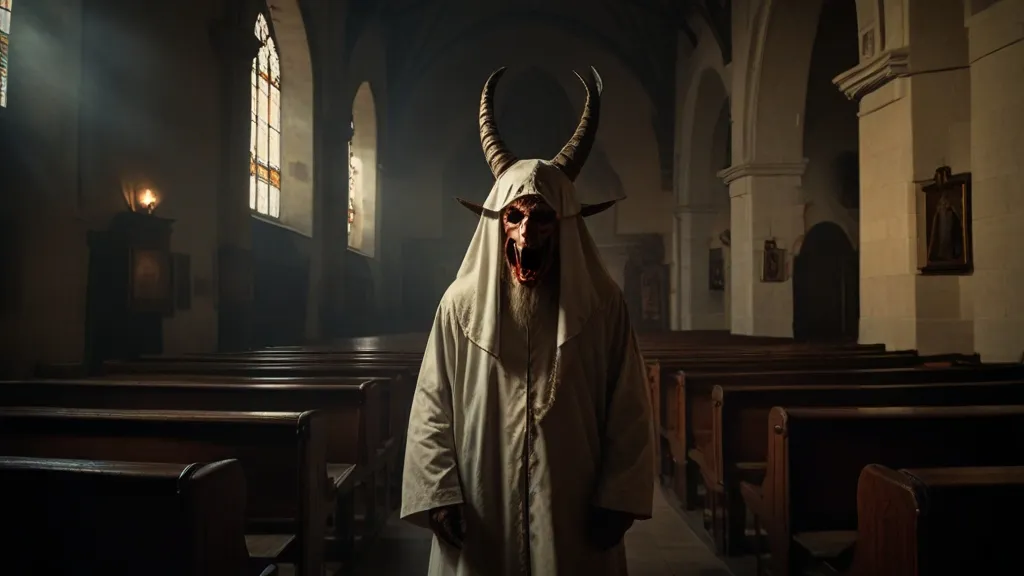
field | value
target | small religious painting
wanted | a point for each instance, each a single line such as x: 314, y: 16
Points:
x: 150, y: 278
x: 947, y: 213
x: 773, y: 264
x: 716, y: 270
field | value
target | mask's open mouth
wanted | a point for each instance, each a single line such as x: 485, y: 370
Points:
x: 526, y: 264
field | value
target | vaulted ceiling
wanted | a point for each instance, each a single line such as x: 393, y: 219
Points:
x: 642, y: 34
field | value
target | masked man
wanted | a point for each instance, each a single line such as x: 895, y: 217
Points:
x: 530, y: 439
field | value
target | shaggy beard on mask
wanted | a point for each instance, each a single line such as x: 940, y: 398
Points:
x: 532, y: 307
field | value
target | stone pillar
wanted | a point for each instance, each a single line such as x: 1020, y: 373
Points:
x: 698, y: 307
x: 765, y: 205
x: 237, y: 46
x: 909, y: 126
x: 997, y: 123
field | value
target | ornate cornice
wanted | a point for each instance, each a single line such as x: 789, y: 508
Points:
x: 871, y: 75
x: 737, y: 171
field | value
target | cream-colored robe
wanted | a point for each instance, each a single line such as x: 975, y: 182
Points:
x: 592, y: 437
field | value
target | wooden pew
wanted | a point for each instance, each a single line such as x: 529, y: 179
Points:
x: 935, y: 521
x: 808, y: 500
x: 400, y: 387
x: 354, y: 446
x: 690, y: 429
x: 737, y: 451
x: 399, y: 390
x: 283, y: 455
x: 70, y: 517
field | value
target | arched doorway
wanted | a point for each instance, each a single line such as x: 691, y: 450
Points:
x: 826, y: 287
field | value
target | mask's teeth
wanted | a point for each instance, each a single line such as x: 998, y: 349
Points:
x: 519, y: 254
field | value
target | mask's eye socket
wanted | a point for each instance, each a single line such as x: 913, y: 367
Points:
x: 542, y: 216
x: 514, y: 216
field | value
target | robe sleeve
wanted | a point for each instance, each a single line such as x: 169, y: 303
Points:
x: 430, y: 475
x: 626, y: 477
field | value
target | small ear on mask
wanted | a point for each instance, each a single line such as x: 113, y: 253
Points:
x: 478, y: 209
x: 591, y: 209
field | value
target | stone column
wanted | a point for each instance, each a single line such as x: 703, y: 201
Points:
x: 698, y: 307
x: 765, y: 205
x: 237, y: 46
x: 909, y: 126
x: 997, y: 123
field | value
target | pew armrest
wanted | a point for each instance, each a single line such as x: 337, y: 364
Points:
x: 753, y: 498
x: 267, y: 546
x: 828, y: 544
x: 343, y: 477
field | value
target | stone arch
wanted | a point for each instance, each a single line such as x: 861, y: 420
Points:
x: 830, y: 182
x: 297, y: 165
x: 826, y: 302
x: 777, y: 71
x: 778, y: 61
x: 364, y: 181
x: 706, y: 86
x: 711, y: 102
x: 702, y: 212
x: 278, y: 253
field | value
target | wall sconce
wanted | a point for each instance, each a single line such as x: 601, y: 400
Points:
x: 148, y: 200
x: 143, y: 199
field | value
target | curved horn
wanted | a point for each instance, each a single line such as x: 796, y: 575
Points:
x: 498, y: 156
x: 574, y: 154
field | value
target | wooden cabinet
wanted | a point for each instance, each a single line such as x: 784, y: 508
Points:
x: 130, y: 288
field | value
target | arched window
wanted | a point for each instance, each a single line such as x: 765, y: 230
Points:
x: 353, y: 173
x: 265, y: 136
x: 5, y: 31
x: 362, y: 174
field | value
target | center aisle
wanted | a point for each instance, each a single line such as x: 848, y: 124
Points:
x: 662, y: 546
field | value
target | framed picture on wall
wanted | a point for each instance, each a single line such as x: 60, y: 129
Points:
x: 947, y: 227
x: 716, y: 270
x: 149, y: 277
x: 773, y: 263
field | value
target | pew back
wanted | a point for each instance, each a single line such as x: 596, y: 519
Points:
x: 64, y: 517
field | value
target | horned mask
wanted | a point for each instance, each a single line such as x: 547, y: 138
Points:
x: 530, y: 225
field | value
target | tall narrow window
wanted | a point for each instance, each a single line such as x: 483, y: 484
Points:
x: 265, y: 136
x: 353, y: 173
x: 5, y: 31
x: 362, y: 174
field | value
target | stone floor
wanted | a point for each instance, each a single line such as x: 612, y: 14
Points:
x: 662, y: 546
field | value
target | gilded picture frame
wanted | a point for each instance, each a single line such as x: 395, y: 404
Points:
x: 947, y: 224
x: 773, y: 263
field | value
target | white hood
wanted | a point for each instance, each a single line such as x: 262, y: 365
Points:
x: 585, y: 285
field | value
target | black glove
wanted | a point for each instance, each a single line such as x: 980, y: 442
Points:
x: 448, y: 524
x: 607, y: 527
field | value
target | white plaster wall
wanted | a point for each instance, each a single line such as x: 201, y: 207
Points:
x: 296, y: 118
x: 997, y: 146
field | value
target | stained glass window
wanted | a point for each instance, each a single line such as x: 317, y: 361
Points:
x: 5, y: 31
x: 265, y: 135
x: 352, y: 172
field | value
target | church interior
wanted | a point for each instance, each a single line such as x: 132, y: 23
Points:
x: 814, y: 236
